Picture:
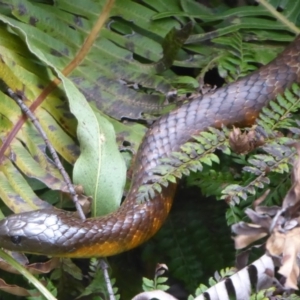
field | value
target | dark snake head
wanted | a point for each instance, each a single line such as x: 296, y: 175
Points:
x: 35, y: 232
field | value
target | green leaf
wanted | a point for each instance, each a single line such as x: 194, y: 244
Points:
x: 100, y: 168
x: 148, y: 285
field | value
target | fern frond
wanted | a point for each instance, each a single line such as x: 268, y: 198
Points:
x: 98, y: 284
x: 239, y: 60
x: 277, y: 160
x: 200, y: 151
x: 191, y: 158
x: 277, y: 115
x: 277, y: 157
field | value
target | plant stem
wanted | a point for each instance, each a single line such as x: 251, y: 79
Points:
x: 280, y: 17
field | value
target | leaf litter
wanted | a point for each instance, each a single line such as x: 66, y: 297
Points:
x: 280, y: 224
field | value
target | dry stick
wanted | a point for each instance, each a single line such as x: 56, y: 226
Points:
x: 104, y: 267
x: 56, y: 159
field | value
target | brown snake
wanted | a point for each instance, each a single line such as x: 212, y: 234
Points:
x: 58, y: 233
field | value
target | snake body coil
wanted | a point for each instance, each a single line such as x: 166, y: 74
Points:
x: 58, y: 233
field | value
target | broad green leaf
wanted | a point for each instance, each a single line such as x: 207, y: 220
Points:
x: 100, y: 168
x: 107, y: 177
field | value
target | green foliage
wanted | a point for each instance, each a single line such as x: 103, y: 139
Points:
x: 269, y: 293
x: 156, y: 284
x: 262, y: 295
x: 212, y: 181
x: 67, y: 277
x: 277, y: 114
x: 97, y: 287
x: 192, y: 157
x: 240, y: 60
x: 127, y: 74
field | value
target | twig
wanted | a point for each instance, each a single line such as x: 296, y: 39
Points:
x: 104, y: 267
x: 56, y: 159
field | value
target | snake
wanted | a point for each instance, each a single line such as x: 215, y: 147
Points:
x: 55, y: 232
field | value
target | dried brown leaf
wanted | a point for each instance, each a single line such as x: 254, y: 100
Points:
x: 288, y: 245
x: 35, y: 268
x: 284, y: 225
x: 268, y: 210
x: 160, y: 269
x: 247, y: 228
x: 275, y: 243
x: 15, y: 290
x: 264, y: 221
x: 242, y: 241
x: 243, y: 143
x: 292, y: 197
